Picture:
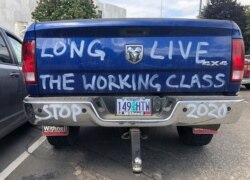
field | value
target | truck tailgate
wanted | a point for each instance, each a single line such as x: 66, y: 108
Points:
x: 128, y: 57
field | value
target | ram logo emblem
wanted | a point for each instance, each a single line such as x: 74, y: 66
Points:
x: 134, y: 53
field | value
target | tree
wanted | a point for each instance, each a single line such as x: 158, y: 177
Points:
x: 50, y: 10
x: 226, y: 9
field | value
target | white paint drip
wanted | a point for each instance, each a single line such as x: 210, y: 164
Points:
x: 43, y: 53
x: 96, y: 53
x: 134, y: 82
x: 122, y: 82
x: 60, y: 82
x: 213, y: 110
x: 170, y: 51
x: 185, y: 54
x: 59, y: 111
x: 74, y: 49
x: 153, y: 51
x: 60, y: 48
x: 199, y: 52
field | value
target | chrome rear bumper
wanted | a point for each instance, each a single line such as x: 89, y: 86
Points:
x: 100, y: 111
x: 245, y: 81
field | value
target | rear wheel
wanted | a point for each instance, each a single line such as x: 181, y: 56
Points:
x: 247, y: 86
x: 188, y: 137
x: 59, y: 141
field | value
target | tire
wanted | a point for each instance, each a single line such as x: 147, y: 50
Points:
x: 187, y: 137
x: 247, y: 86
x: 59, y: 141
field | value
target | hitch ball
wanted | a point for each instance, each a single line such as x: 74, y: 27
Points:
x: 137, y: 165
x: 138, y: 161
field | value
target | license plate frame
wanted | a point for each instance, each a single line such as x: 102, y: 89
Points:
x: 134, y: 112
x: 55, y: 130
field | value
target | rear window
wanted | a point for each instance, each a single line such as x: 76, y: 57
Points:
x: 17, y: 46
x: 4, y: 53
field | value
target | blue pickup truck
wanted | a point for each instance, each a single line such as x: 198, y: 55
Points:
x: 133, y: 73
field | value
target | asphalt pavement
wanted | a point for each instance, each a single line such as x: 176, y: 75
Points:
x: 101, y: 154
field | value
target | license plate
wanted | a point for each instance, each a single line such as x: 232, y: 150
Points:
x: 133, y: 106
x: 55, y: 130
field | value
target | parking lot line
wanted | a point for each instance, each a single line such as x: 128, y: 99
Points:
x: 12, y: 166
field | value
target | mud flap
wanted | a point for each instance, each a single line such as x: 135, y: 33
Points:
x: 55, y: 130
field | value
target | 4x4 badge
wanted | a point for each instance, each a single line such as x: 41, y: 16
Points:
x: 134, y: 53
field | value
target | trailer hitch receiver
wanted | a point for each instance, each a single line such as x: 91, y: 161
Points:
x: 135, y: 135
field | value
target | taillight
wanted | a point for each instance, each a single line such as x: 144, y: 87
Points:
x: 238, y: 53
x: 28, y: 59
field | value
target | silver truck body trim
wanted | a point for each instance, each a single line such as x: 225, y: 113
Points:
x: 176, y: 114
x: 245, y: 81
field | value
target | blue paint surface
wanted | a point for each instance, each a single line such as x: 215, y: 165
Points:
x: 114, y: 35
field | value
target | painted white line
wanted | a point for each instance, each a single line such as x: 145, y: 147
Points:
x: 12, y: 166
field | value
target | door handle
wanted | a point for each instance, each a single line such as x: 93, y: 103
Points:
x: 14, y: 74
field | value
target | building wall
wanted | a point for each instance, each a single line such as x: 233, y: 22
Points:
x: 15, y: 15
x: 109, y: 10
